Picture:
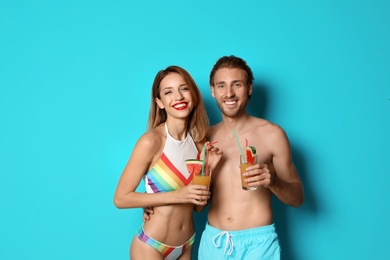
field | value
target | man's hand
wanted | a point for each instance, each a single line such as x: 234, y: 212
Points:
x: 148, y: 211
x: 259, y: 175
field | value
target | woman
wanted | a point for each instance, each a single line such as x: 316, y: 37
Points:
x: 176, y: 132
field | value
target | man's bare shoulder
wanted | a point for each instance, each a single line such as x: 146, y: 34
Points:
x: 265, y: 132
x: 265, y: 127
x: 213, y: 131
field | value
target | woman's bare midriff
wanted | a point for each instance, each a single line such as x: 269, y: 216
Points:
x: 171, y: 225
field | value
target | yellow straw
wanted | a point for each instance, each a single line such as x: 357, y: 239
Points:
x: 239, y: 146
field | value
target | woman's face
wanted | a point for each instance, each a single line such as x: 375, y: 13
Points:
x: 175, y: 96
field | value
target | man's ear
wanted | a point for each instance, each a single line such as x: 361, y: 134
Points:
x: 159, y: 103
x: 212, y: 91
x: 249, y: 89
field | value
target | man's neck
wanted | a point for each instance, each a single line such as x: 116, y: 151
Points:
x: 235, y: 123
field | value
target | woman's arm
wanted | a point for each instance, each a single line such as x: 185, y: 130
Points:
x: 146, y: 150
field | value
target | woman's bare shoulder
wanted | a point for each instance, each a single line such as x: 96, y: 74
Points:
x: 152, y: 139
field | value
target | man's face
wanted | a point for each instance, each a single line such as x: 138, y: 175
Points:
x: 231, y: 91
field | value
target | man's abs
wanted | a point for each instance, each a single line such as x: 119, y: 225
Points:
x: 241, y: 212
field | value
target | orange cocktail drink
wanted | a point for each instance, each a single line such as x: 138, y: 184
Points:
x: 200, y: 175
x: 245, y: 163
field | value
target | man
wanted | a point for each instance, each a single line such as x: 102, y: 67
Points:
x: 240, y: 222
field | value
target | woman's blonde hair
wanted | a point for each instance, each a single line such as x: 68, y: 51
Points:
x: 198, y: 122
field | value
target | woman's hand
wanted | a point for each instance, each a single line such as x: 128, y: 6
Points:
x: 195, y: 194
x: 213, y: 155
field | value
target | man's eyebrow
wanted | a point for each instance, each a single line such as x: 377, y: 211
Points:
x: 233, y: 81
x: 237, y: 80
x: 219, y: 82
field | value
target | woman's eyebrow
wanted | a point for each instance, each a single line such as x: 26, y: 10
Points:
x: 170, y: 87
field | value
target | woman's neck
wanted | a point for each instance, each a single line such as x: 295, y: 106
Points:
x: 177, y: 129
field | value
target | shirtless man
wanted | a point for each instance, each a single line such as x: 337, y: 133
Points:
x: 240, y: 222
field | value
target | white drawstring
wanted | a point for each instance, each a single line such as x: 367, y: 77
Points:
x: 229, y: 242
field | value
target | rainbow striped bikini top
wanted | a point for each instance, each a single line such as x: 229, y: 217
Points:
x: 170, y: 172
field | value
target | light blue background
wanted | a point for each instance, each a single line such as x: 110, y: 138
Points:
x: 75, y: 80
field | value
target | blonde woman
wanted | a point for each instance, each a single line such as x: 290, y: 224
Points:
x: 176, y: 131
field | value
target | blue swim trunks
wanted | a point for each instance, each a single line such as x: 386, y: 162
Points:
x: 254, y: 243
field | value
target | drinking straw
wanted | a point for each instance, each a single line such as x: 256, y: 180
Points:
x: 239, y: 146
x: 212, y: 143
x: 207, y: 156
x: 204, y: 158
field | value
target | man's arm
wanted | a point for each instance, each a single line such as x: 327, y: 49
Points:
x: 285, y: 182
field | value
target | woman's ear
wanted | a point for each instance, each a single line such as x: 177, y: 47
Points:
x: 159, y: 103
